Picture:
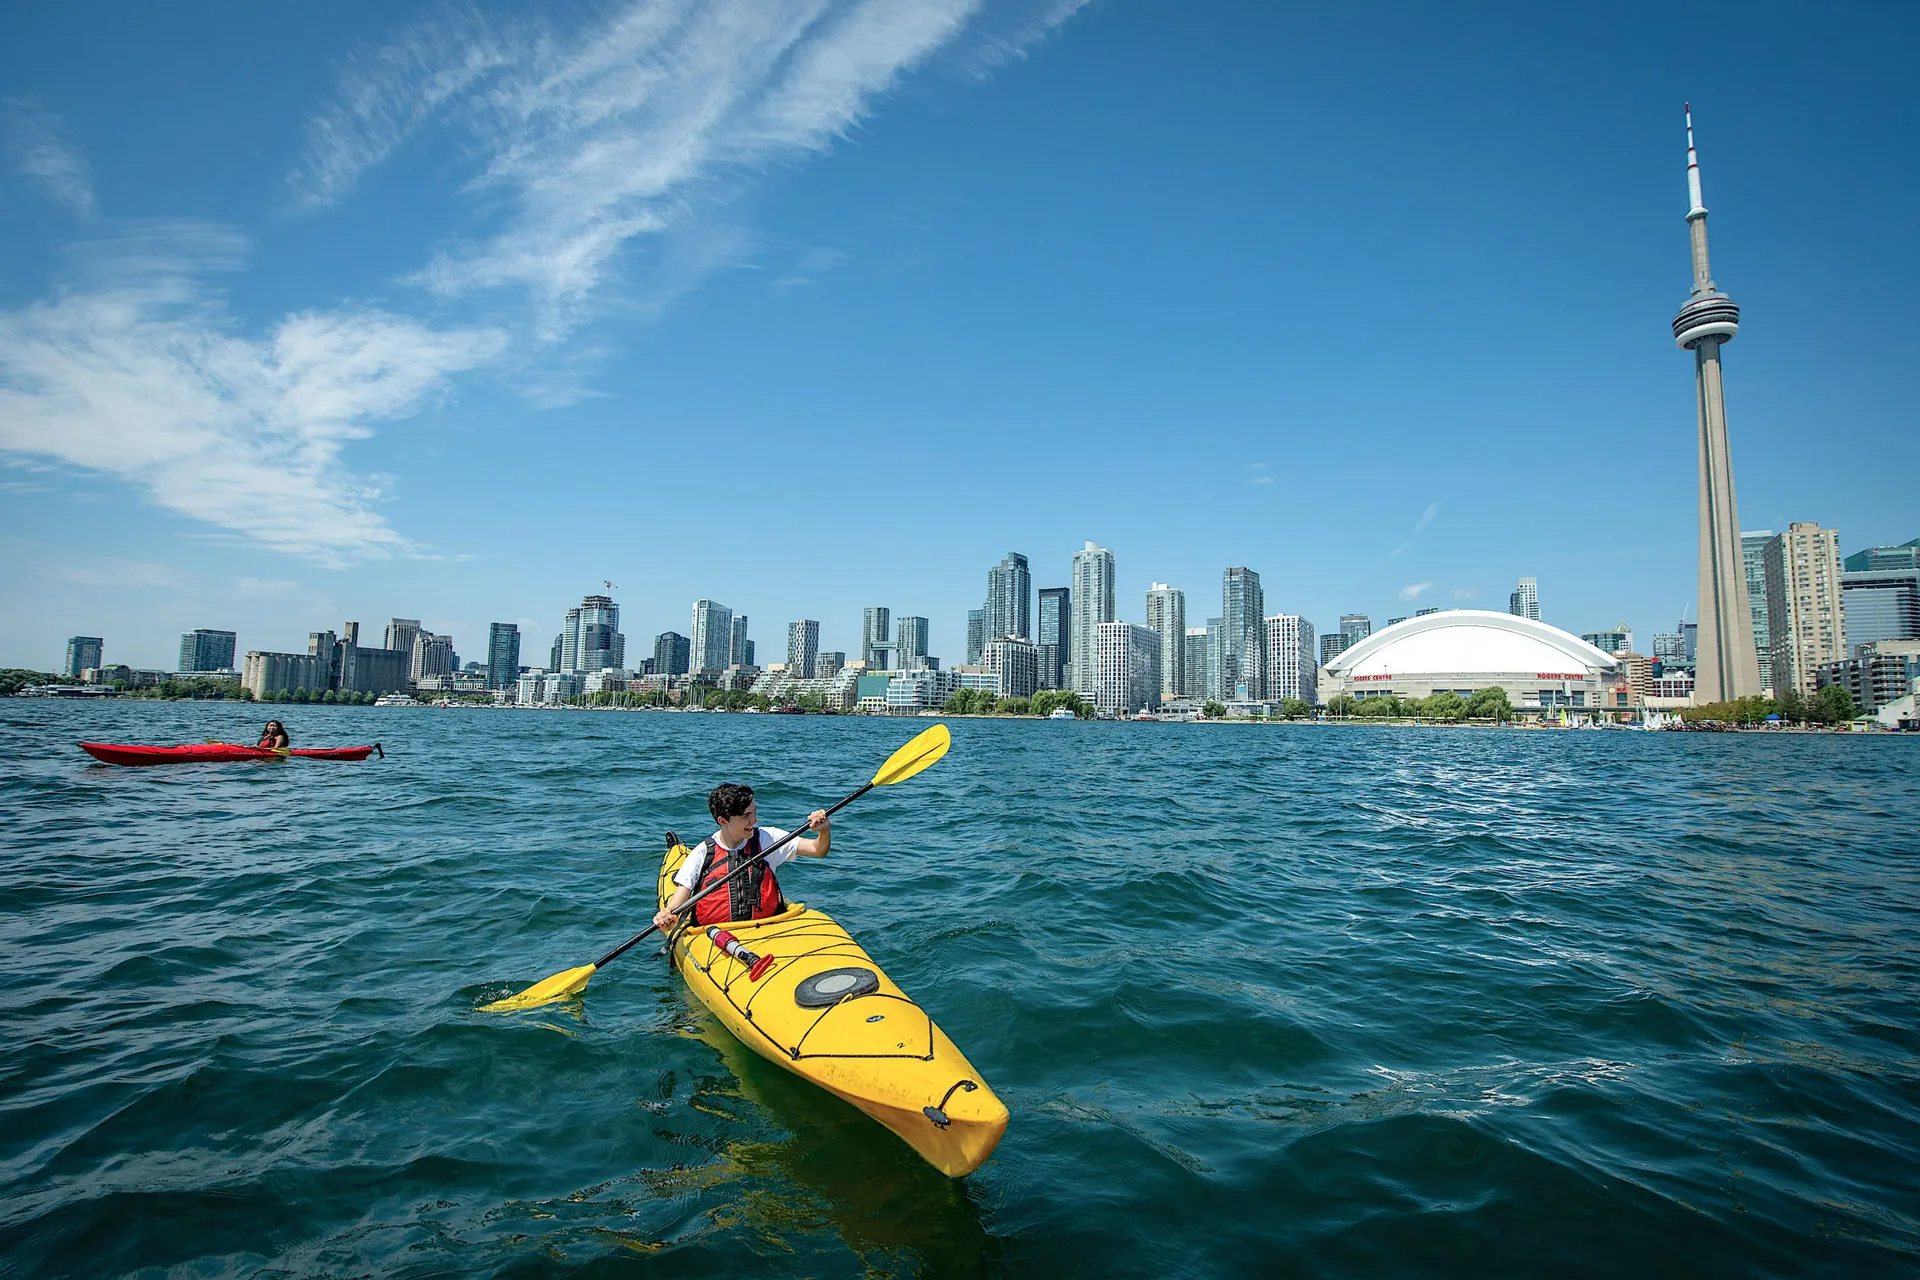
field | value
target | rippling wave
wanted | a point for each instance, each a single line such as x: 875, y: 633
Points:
x: 1358, y: 1000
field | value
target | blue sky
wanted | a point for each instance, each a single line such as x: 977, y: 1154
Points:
x: 322, y: 312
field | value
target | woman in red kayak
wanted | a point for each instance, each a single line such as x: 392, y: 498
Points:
x: 274, y: 737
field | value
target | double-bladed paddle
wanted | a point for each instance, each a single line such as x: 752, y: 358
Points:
x: 918, y: 754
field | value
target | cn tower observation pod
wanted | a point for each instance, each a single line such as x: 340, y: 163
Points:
x: 1466, y: 650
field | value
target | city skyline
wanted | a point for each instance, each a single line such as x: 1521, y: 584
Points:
x: 869, y: 280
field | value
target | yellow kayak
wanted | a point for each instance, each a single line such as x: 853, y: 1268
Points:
x: 823, y: 1009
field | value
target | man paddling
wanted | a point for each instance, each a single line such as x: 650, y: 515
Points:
x: 754, y: 894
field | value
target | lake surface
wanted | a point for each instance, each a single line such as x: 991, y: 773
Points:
x: 1359, y: 1000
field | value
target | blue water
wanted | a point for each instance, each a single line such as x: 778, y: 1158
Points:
x: 1356, y: 1000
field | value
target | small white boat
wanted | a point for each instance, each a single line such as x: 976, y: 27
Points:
x: 1061, y: 713
x: 396, y: 700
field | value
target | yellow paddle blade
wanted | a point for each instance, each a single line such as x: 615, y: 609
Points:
x: 558, y: 987
x: 915, y: 756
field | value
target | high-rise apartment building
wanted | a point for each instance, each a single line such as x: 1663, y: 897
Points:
x: 1092, y: 593
x: 876, y: 627
x: 1292, y: 672
x: 590, y: 638
x: 739, y: 648
x: 1009, y: 607
x: 1219, y: 685
x: 1167, y: 616
x: 1054, y: 643
x: 1524, y: 600
x: 910, y: 642
x: 1331, y: 645
x: 1013, y: 659
x: 1354, y: 627
x: 1244, y: 645
x: 712, y: 635
x: 203, y: 650
x: 1195, y: 659
x: 1618, y: 640
x: 828, y: 662
x: 401, y: 633
x: 503, y: 655
x: 1753, y: 554
x: 1806, y: 612
x: 976, y: 635
x: 1126, y: 666
x: 672, y: 653
x: 803, y: 647
x: 432, y: 655
x: 83, y: 652
x: 1725, y: 663
x: 1669, y: 646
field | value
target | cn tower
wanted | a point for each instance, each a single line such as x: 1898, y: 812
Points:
x: 1726, y: 666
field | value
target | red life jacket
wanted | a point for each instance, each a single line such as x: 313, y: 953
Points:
x: 754, y: 894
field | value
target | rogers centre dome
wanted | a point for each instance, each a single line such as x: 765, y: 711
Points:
x: 1466, y: 650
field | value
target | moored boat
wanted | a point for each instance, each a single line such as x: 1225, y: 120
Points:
x: 215, y: 752
x: 825, y: 1011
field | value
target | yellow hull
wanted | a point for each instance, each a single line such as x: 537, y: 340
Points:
x: 874, y: 1048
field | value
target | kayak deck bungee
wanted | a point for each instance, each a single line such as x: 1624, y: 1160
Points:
x: 826, y: 1012
x: 206, y: 752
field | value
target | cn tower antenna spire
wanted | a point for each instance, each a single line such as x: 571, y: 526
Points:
x: 1697, y: 208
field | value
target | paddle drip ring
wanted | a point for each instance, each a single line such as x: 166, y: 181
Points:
x: 828, y: 988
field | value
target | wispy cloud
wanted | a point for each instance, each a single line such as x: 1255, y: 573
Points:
x: 1464, y: 593
x: 586, y: 141
x: 137, y: 373
x: 39, y: 153
x: 810, y: 266
x: 1259, y: 473
x: 1413, y: 590
x: 256, y: 587
x: 1426, y: 517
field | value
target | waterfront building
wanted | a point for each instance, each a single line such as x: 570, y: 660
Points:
x: 1091, y: 586
x: 876, y: 627
x: 910, y: 641
x: 431, y: 655
x: 1806, y: 613
x: 83, y: 652
x: 1219, y: 684
x: 1524, y: 600
x: 401, y: 633
x: 1009, y: 607
x: 712, y: 635
x: 1195, y: 663
x: 1675, y: 686
x: 1167, y: 616
x: 206, y: 651
x: 1879, y: 673
x: 927, y: 688
x: 1330, y: 646
x: 1015, y: 665
x: 503, y: 655
x: 1726, y: 663
x: 1881, y: 604
x: 672, y: 654
x: 1126, y: 665
x: 553, y: 656
x: 828, y: 663
x: 1292, y: 672
x: 262, y: 674
x: 1243, y: 604
x: 803, y: 646
x: 976, y: 634
x: 1054, y: 647
x: 1466, y: 650
x: 739, y: 648
x: 352, y: 669
x: 1879, y: 559
x: 1617, y: 641
x: 1753, y: 557
x: 885, y: 656
x: 592, y: 638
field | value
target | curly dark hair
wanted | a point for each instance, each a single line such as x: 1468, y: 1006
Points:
x: 729, y: 800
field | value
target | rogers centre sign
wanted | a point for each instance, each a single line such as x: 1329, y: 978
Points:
x: 1359, y: 679
x: 1559, y: 675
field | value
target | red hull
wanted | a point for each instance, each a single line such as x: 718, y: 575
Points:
x: 202, y: 753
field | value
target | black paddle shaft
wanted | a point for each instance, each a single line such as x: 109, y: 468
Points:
x: 615, y: 954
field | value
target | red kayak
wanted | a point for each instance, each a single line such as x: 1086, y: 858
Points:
x: 215, y: 751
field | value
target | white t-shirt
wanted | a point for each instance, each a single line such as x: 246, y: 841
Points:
x: 688, y: 876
